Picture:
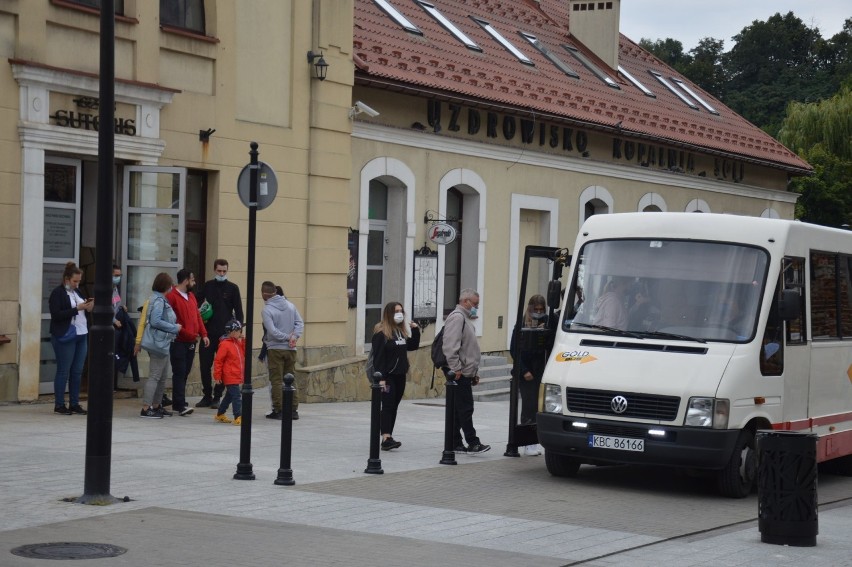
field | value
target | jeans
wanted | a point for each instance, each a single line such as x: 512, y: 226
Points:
x: 70, y: 358
x: 391, y: 396
x: 281, y: 362
x: 156, y: 383
x: 232, y: 395
x: 205, y: 358
x: 463, y: 407
x: 181, y: 355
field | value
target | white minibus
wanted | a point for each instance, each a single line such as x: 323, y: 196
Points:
x: 683, y: 334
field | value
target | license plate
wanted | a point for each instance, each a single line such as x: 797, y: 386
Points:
x: 618, y: 443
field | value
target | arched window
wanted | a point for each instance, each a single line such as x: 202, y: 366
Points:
x: 697, y: 206
x: 652, y: 203
x: 594, y: 200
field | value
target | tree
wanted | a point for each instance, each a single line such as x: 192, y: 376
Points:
x: 705, y: 67
x: 669, y: 51
x: 827, y: 123
x: 826, y: 196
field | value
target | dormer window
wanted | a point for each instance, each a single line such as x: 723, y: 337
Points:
x: 397, y: 16
x: 561, y: 65
x: 587, y: 63
x: 636, y: 82
x: 448, y: 25
x: 503, y: 41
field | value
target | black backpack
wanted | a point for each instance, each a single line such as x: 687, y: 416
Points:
x: 439, y: 360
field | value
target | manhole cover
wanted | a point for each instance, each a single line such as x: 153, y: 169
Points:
x: 68, y: 550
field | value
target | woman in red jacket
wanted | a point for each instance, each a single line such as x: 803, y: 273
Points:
x: 228, y: 369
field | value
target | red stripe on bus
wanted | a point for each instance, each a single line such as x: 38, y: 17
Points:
x: 813, y: 422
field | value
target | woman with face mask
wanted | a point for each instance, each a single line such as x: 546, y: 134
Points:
x: 69, y: 336
x: 392, y: 339
x: 531, y: 367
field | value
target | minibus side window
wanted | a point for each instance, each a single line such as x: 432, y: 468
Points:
x: 825, y: 323
x: 772, y: 345
x: 794, y: 278
x: 844, y: 294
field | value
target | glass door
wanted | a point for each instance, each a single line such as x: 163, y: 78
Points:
x: 153, y: 219
x: 60, y: 244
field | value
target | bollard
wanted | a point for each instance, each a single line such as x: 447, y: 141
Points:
x: 374, y: 463
x: 449, y: 455
x: 285, y: 473
x: 787, y: 488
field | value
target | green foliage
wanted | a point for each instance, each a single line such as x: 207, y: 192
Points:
x: 827, y: 122
x: 826, y: 197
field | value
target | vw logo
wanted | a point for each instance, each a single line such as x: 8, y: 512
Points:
x: 619, y: 404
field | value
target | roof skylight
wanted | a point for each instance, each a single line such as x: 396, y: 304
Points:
x: 590, y: 66
x: 397, y: 16
x: 549, y: 54
x: 503, y: 41
x: 694, y: 95
x: 672, y: 88
x: 636, y: 82
x: 433, y: 11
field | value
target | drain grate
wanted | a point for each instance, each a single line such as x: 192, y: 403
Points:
x: 68, y: 550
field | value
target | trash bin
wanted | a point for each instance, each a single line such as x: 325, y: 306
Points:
x: 787, y: 488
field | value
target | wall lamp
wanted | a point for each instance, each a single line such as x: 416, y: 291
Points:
x: 320, y: 67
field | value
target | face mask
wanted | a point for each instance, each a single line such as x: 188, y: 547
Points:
x: 538, y: 316
x: 68, y: 287
x: 116, y: 280
x: 220, y: 278
x: 473, y: 312
x: 398, y: 318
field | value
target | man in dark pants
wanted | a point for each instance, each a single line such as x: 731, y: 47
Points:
x: 182, y: 350
x: 224, y: 297
x: 463, y: 355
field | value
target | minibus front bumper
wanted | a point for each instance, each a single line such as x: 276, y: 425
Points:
x: 617, y: 442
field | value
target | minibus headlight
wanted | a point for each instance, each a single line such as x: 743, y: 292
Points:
x: 707, y: 412
x: 552, y: 399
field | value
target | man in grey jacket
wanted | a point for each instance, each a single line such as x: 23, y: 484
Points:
x: 462, y: 351
x: 283, y: 326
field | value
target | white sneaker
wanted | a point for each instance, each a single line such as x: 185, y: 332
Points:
x: 531, y: 450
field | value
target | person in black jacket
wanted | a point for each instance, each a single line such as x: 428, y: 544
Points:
x: 224, y: 297
x: 531, y: 365
x: 69, y: 336
x: 392, y: 339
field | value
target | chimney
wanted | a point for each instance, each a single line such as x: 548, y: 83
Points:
x: 596, y: 25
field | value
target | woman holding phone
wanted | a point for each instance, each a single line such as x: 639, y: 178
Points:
x: 69, y: 331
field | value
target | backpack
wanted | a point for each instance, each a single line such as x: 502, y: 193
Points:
x: 369, y: 368
x: 439, y: 359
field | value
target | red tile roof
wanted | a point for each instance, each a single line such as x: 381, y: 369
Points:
x: 436, y: 62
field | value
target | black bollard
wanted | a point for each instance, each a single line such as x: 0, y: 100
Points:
x: 374, y: 463
x: 449, y: 455
x: 285, y: 473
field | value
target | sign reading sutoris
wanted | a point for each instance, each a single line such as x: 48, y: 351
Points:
x: 570, y: 139
x: 86, y: 117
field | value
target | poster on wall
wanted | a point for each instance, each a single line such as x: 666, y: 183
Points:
x: 59, y: 233
x: 425, y: 301
x: 352, y: 274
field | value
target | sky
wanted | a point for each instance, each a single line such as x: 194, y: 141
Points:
x: 689, y: 21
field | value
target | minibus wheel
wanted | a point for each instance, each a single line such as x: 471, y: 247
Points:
x: 737, y: 479
x: 560, y: 465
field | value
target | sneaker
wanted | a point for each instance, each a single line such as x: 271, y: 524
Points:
x: 274, y: 415
x: 186, y: 411
x: 77, y: 409
x: 167, y: 401
x: 478, y: 448
x: 204, y: 403
x: 531, y: 450
x: 238, y: 420
x: 214, y: 403
x: 163, y: 412
x: 390, y: 443
x: 62, y: 410
x: 461, y: 449
x: 150, y: 413
x: 222, y: 418
x: 295, y: 415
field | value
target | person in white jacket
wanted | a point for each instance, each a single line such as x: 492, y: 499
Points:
x: 284, y: 327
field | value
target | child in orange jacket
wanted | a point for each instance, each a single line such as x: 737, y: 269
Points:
x: 228, y: 369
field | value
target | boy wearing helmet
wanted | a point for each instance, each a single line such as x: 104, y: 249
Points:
x: 228, y: 369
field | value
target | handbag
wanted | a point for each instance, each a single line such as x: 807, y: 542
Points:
x: 69, y: 335
x: 206, y: 311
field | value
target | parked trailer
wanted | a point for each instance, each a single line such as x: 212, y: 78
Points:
x: 684, y: 334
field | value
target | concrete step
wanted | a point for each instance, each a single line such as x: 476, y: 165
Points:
x: 492, y: 360
x: 492, y: 383
x: 495, y: 395
x: 496, y: 370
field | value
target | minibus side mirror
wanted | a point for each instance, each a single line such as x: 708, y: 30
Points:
x: 788, y: 305
x: 554, y: 294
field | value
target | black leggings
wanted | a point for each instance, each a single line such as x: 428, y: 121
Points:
x: 391, y: 396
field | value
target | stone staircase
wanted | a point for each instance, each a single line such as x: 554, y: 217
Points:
x: 495, y: 372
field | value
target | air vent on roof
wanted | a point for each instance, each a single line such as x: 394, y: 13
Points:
x: 503, y: 41
x: 636, y: 82
x: 694, y: 95
x: 673, y: 89
x: 397, y: 16
x: 549, y: 54
x: 450, y: 27
x: 590, y: 66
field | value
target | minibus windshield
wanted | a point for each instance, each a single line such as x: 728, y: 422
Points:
x: 687, y: 289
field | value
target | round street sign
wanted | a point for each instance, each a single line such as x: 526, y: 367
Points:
x: 267, y: 185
